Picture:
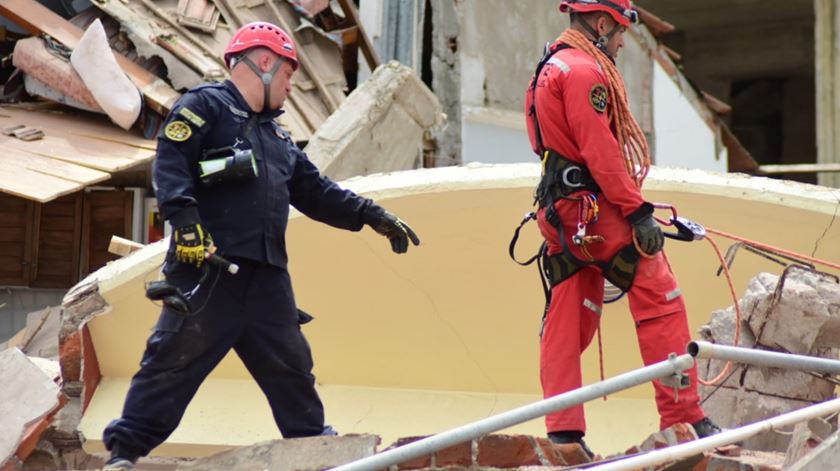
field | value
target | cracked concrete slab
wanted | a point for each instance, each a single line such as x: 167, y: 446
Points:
x: 379, y: 127
x: 27, y: 396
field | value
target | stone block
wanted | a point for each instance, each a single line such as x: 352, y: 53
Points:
x: 807, y: 309
x: 790, y: 384
x: 719, y: 404
x: 507, y: 451
x: 753, y: 407
x: 824, y: 456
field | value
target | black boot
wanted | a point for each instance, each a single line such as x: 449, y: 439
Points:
x: 705, y: 428
x: 121, y: 458
x: 571, y: 436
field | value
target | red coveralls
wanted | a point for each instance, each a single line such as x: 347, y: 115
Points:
x: 572, y: 126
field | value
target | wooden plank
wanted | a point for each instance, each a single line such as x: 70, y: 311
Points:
x: 11, y: 203
x: 12, y: 234
x: 54, y: 167
x: 37, y: 18
x: 68, y: 155
x: 371, y: 57
x: 305, y: 62
x: 30, y: 249
x: 73, y: 125
x: 12, y: 218
x: 20, y: 181
x: 11, y: 249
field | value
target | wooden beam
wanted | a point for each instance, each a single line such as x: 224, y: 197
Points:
x: 305, y: 61
x: 371, y: 57
x: 36, y: 18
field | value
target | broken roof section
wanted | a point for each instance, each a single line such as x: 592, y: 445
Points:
x: 190, y: 36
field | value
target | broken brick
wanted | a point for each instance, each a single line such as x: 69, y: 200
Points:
x: 458, y: 455
x: 551, y: 453
x: 506, y: 451
x: 416, y: 463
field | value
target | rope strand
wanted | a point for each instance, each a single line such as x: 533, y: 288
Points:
x: 631, y: 138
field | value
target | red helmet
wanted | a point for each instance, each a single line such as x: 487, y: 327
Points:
x: 621, y: 10
x: 262, y: 34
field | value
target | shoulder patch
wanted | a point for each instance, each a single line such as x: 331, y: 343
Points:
x: 191, y: 116
x: 599, y: 97
x: 178, y: 131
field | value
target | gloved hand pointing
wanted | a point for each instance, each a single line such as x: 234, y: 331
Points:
x: 392, y: 227
x: 646, y: 231
x: 191, y: 242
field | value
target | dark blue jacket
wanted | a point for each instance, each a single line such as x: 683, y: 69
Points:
x: 246, y: 219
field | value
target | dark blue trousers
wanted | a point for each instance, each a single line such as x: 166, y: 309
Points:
x: 252, y: 312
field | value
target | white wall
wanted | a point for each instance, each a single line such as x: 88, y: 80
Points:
x: 495, y: 136
x: 682, y: 137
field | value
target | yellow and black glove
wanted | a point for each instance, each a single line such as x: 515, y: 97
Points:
x: 392, y: 227
x: 191, y: 242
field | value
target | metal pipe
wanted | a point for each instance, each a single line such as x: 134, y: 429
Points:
x: 464, y: 433
x: 728, y: 437
x: 763, y: 358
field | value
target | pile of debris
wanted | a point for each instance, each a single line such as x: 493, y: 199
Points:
x: 163, y: 48
x: 796, y: 312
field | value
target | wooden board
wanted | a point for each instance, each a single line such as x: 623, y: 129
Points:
x: 37, y: 18
x: 48, y: 166
x: 21, y: 181
x: 75, y: 124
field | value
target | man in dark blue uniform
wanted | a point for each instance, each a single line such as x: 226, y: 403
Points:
x: 226, y: 169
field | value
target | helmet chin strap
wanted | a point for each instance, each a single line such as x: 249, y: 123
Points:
x: 601, y: 41
x: 266, y: 78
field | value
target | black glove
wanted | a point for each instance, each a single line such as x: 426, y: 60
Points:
x: 191, y: 242
x: 392, y: 227
x: 646, y: 230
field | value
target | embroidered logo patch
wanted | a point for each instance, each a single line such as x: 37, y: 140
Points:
x: 598, y: 96
x: 192, y: 117
x: 178, y: 131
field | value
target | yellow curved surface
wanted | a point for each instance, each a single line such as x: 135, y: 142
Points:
x: 447, y: 334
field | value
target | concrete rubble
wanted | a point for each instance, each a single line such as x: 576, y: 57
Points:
x: 797, y: 315
x: 374, y: 129
x: 27, y: 399
x: 58, y: 446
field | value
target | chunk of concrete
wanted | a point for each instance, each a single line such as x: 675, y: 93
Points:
x: 825, y: 456
x: 791, y: 384
x: 379, y: 127
x: 27, y: 396
x: 806, y: 436
x: 753, y: 407
x: 298, y: 454
x: 805, y: 309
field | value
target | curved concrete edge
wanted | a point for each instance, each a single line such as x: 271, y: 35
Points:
x: 477, y: 176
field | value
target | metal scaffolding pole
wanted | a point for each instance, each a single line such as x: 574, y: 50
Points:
x: 673, y: 366
x: 728, y: 437
x: 763, y: 358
